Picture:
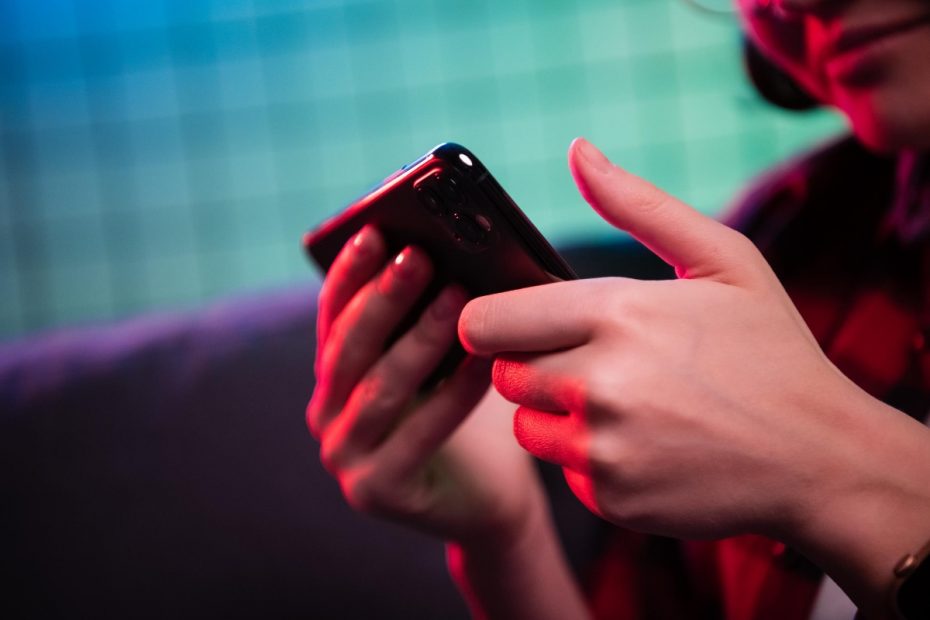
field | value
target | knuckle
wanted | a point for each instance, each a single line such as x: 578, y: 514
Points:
x: 742, y: 245
x: 316, y: 412
x: 330, y: 457
x: 347, y: 347
x: 627, y: 512
x: 339, y: 331
x: 607, y: 392
x: 619, y: 398
x: 390, y: 400
x: 328, y: 355
x: 356, y: 355
x: 651, y: 199
x: 745, y: 250
x: 326, y: 460
x: 741, y: 240
x: 377, y: 392
x: 599, y: 458
x: 627, y: 309
x: 312, y: 416
x: 361, y: 493
x: 632, y: 506
x: 606, y: 457
x: 428, y: 335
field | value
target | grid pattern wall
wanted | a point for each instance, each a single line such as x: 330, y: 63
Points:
x: 158, y: 153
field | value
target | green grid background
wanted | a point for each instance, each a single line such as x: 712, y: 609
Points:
x: 158, y: 154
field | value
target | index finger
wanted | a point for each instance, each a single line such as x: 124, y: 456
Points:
x: 538, y: 318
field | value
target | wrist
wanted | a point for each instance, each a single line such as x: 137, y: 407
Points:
x: 520, y: 572
x: 511, y: 538
x: 872, y: 503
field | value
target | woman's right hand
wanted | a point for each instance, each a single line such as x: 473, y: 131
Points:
x: 422, y: 461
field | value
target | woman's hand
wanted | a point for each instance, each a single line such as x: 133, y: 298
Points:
x: 444, y: 463
x: 396, y: 455
x: 703, y: 406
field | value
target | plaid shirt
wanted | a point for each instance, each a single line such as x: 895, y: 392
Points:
x: 846, y: 232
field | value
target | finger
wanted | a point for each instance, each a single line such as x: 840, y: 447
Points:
x: 522, y: 380
x: 419, y: 436
x: 554, y: 437
x: 524, y: 320
x: 358, y: 334
x: 386, y: 392
x: 695, y: 245
x: 357, y: 262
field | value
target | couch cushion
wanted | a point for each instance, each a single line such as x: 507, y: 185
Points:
x: 161, y: 467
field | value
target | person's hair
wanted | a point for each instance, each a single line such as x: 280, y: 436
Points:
x: 773, y: 84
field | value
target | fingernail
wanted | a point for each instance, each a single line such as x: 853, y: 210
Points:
x: 593, y: 156
x: 361, y: 243
x: 403, y: 265
x: 448, y: 303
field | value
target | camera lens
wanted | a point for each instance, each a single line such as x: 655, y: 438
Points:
x: 430, y: 200
x: 483, y: 221
x: 451, y: 189
x: 466, y: 227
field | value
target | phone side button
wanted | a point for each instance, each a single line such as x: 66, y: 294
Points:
x: 393, y: 176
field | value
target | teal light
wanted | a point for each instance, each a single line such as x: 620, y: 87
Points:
x: 158, y: 154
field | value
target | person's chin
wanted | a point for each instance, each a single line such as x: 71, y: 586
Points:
x: 887, y: 124
x: 891, y: 138
x: 879, y: 139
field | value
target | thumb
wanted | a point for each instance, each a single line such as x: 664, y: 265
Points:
x: 695, y: 245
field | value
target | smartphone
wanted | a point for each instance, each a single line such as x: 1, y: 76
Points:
x: 448, y: 204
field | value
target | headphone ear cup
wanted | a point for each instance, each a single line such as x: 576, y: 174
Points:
x: 773, y: 84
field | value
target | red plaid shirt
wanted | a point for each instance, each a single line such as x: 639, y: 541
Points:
x: 846, y: 231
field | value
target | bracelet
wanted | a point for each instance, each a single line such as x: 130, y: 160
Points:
x: 910, y: 590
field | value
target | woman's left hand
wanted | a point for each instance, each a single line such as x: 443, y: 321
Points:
x: 696, y: 407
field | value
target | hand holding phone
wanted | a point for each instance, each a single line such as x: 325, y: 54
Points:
x: 448, y: 205
x: 438, y: 461
x: 401, y: 263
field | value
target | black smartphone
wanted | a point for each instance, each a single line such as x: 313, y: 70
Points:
x: 448, y: 204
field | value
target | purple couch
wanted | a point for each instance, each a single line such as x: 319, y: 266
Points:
x: 160, y: 467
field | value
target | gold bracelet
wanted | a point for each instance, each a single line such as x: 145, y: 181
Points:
x: 909, y: 595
